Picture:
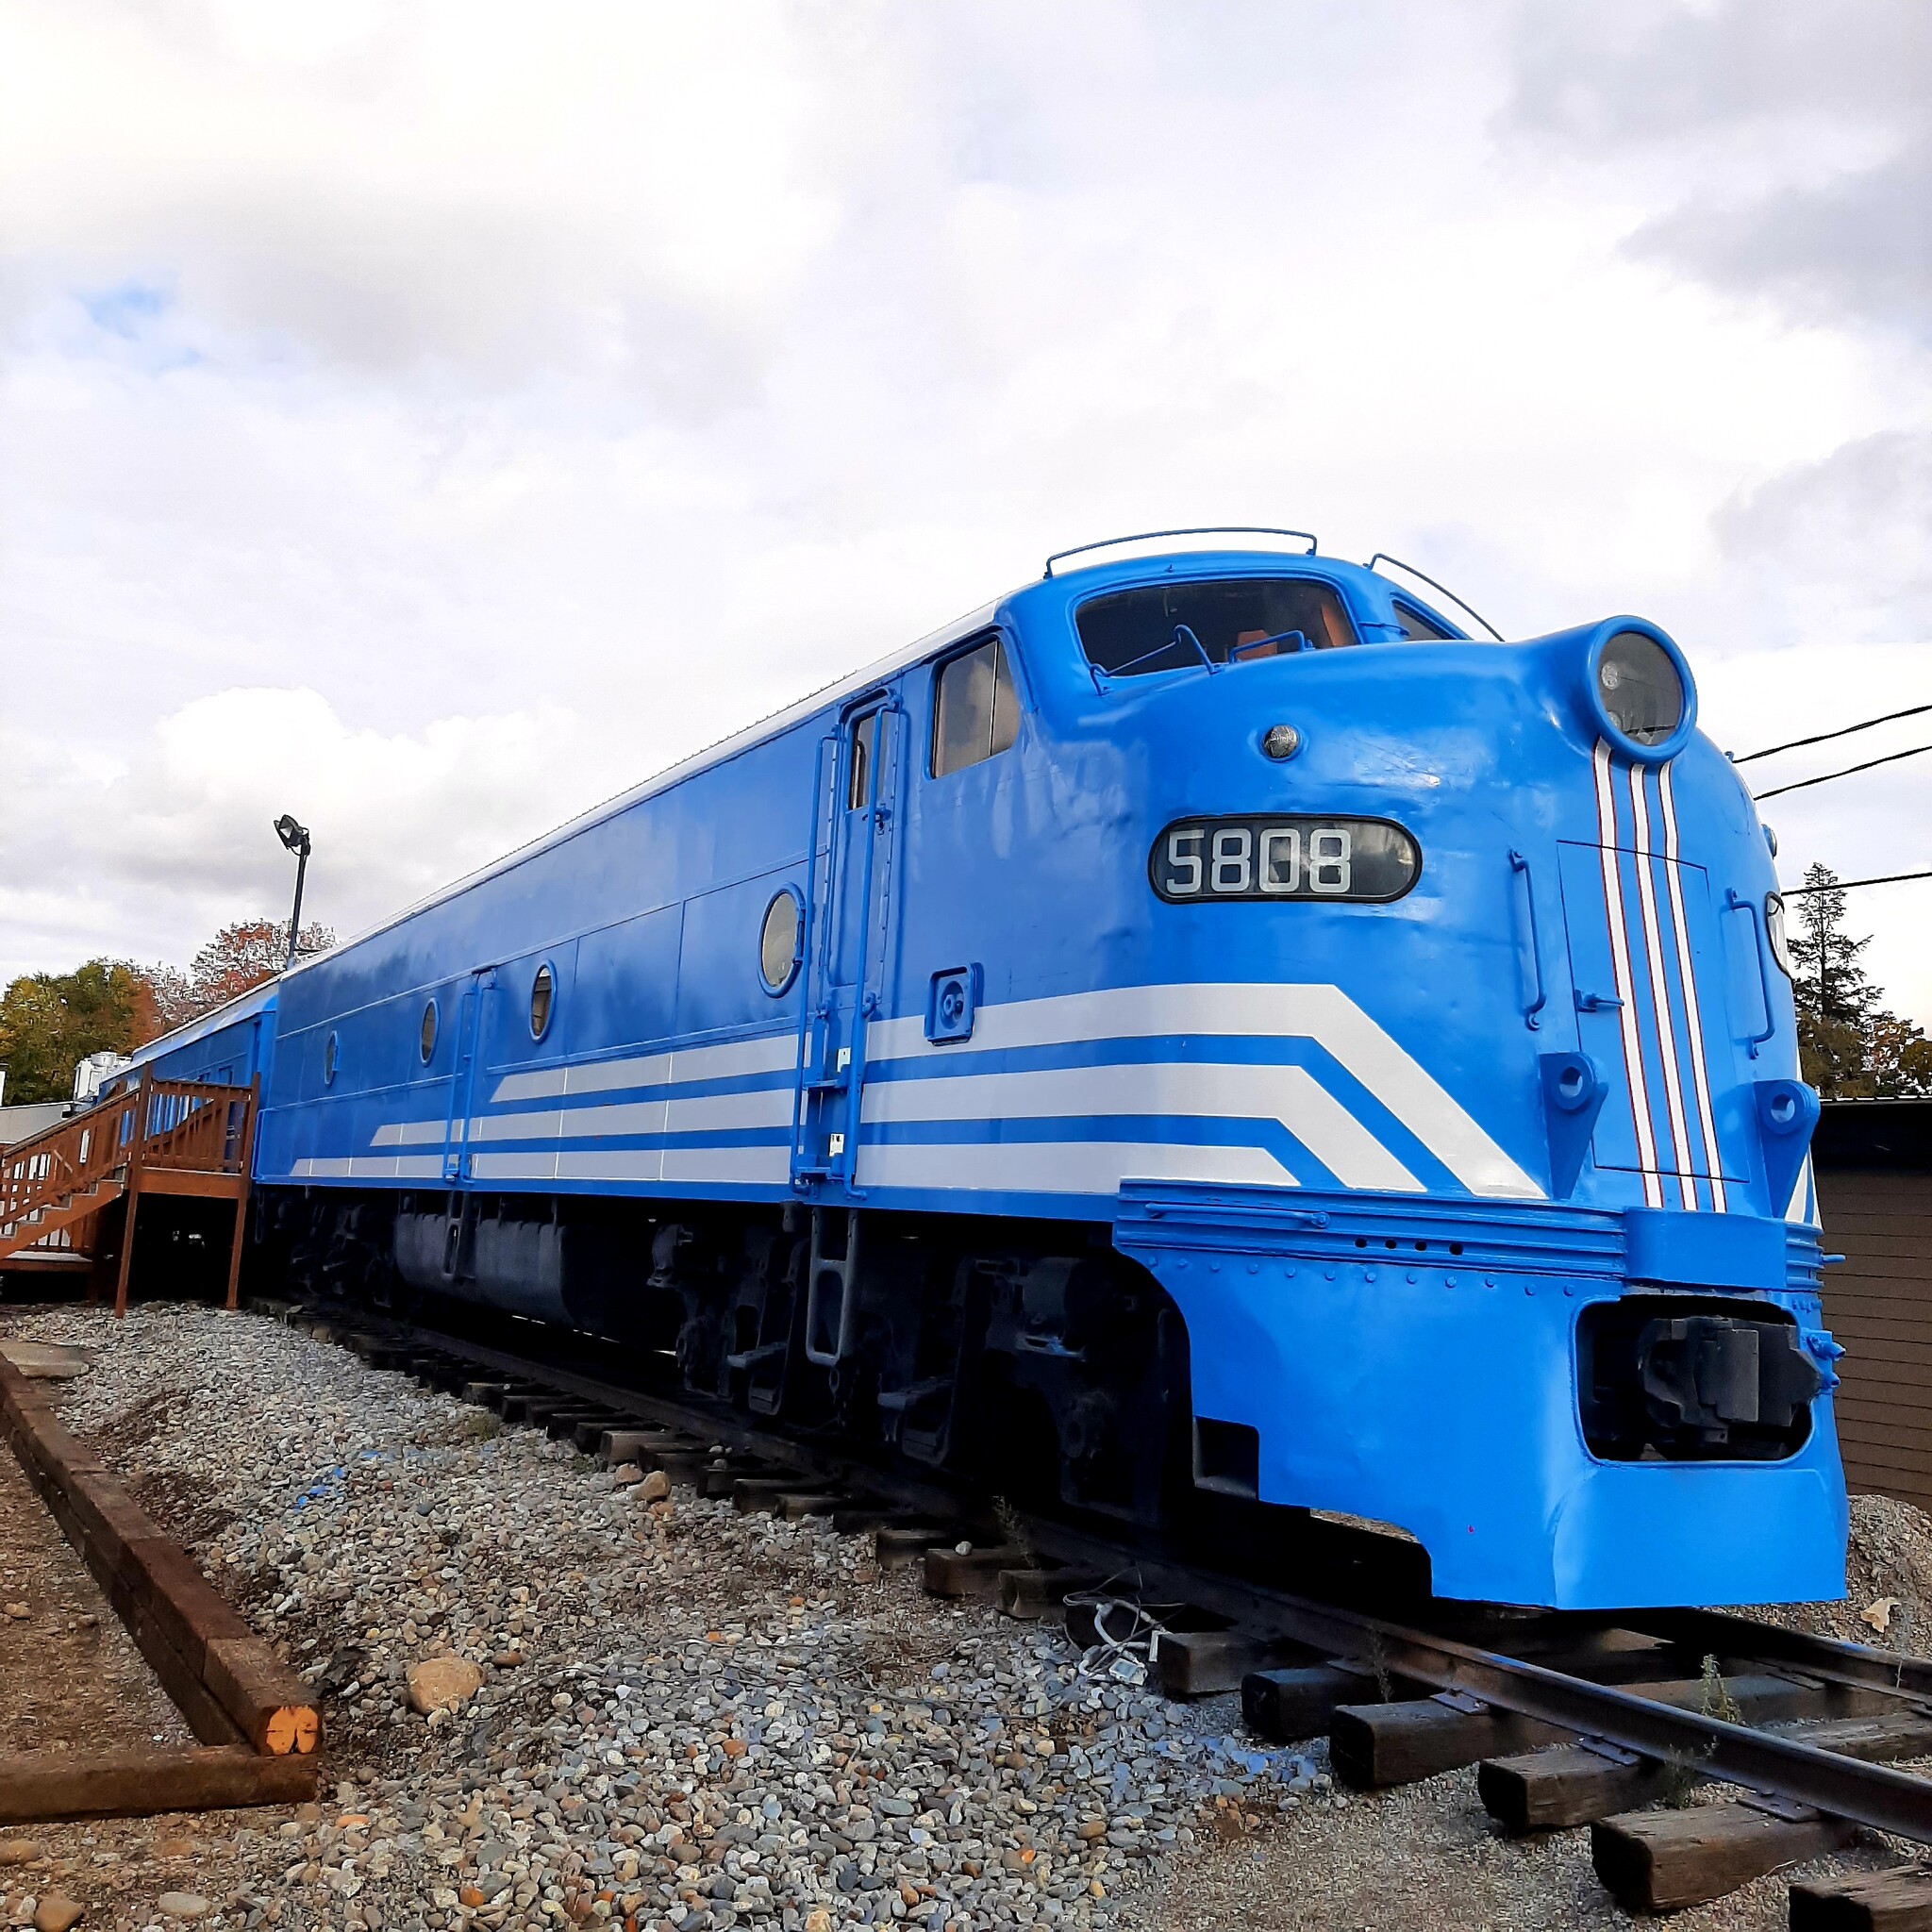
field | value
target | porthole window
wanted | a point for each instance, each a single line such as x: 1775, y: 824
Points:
x: 543, y: 998
x: 426, y: 1042
x: 330, y: 1055
x: 778, y: 941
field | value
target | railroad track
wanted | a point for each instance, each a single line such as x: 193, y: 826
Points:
x: 1607, y: 1721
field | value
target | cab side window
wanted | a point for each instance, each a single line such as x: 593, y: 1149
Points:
x: 1415, y: 626
x: 976, y: 708
x: 865, y: 735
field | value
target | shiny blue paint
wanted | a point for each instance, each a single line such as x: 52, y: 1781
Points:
x: 1433, y: 1388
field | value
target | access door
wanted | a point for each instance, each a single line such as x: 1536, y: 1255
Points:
x: 854, y: 887
x: 457, y: 1140
x: 1650, y: 988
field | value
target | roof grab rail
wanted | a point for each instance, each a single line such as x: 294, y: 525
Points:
x: 1307, y: 537
x: 1384, y: 557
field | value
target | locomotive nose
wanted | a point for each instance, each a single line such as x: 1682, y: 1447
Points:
x: 1638, y: 689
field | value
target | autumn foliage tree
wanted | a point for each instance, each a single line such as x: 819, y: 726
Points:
x: 51, y: 1021
x: 240, y: 957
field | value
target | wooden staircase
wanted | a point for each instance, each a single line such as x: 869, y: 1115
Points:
x: 58, y: 1190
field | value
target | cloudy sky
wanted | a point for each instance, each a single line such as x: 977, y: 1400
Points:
x: 429, y: 418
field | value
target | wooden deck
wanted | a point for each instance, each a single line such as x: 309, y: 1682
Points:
x: 70, y: 1196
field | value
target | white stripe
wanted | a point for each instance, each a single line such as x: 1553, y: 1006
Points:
x: 1799, y: 1207
x: 771, y: 1166
x: 1065, y: 1167
x: 1700, y: 1070
x: 513, y: 1167
x: 409, y: 1133
x: 1625, y: 989
x: 620, y: 1117
x: 545, y: 1126
x: 770, y: 1106
x: 1214, y: 1090
x: 369, y: 1167
x: 625, y: 1164
x: 770, y: 1053
x: 1247, y: 1010
x: 1660, y: 991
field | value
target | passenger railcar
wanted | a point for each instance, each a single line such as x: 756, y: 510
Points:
x: 1201, y: 1023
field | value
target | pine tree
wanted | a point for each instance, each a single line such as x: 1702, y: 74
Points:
x: 1849, y: 1047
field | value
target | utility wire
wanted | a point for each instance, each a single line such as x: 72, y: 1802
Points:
x: 1890, y: 878
x: 1825, y: 777
x: 1844, y: 731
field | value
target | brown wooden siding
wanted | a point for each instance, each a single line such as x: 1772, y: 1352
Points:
x: 1878, y: 1303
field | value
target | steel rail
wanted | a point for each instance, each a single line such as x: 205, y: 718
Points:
x: 1762, y: 1762
x: 1870, y: 1795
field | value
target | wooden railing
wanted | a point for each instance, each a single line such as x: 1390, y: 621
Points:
x: 162, y: 1128
x: 65, y: 1161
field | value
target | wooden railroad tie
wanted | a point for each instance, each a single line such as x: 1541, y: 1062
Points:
x: 1372, y: 1745
x: 37, y: 1787
x: 1899, y: 1900
x: 1659, y: 1861
x: 229, y: 1684
x: 1574, y: 1784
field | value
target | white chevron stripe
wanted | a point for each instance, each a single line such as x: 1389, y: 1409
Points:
x: 1660, y: 991
x: 1626, y: 989
x: 770, y: 1053
x: 1700, y: 1068
x: 1215, y: 1090
x: 1064, y: 1167
x: 1243, y: 1010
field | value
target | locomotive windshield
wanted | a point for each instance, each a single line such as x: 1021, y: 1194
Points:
x: 1158, y: 626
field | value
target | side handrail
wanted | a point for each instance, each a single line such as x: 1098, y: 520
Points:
x: 1532, y: 1014
x: 878, y: 817
x: 809, y: 975
x: 1734, y: 904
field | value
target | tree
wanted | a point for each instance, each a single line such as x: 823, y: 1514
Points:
x: 51, y: 1021
x: 1849, y: 1046
x: 242, y: 956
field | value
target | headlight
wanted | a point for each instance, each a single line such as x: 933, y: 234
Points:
x: 1639, y: 686
x: 1774, y: 930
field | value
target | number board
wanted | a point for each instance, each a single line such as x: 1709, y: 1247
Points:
x: 1372, y: 859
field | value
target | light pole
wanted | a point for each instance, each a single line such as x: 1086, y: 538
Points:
x: 297, y: 838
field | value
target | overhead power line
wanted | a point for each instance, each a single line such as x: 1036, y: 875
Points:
x: 1823, y: 736
x: 1825, y: 777
x: 1890, y: 878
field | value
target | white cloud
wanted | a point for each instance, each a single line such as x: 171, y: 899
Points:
x: 545, y: 393
x: 177, y: 840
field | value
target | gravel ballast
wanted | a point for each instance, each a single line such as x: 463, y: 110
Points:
x: 686, y: 1717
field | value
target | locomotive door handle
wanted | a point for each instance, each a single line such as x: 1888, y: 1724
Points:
x: 1532, y: 1013
x: 1750, y: 907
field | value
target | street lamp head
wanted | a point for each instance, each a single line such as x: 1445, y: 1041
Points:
x: 293, y: 836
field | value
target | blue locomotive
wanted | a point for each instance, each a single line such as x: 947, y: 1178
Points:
x: 1203, y: 1024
